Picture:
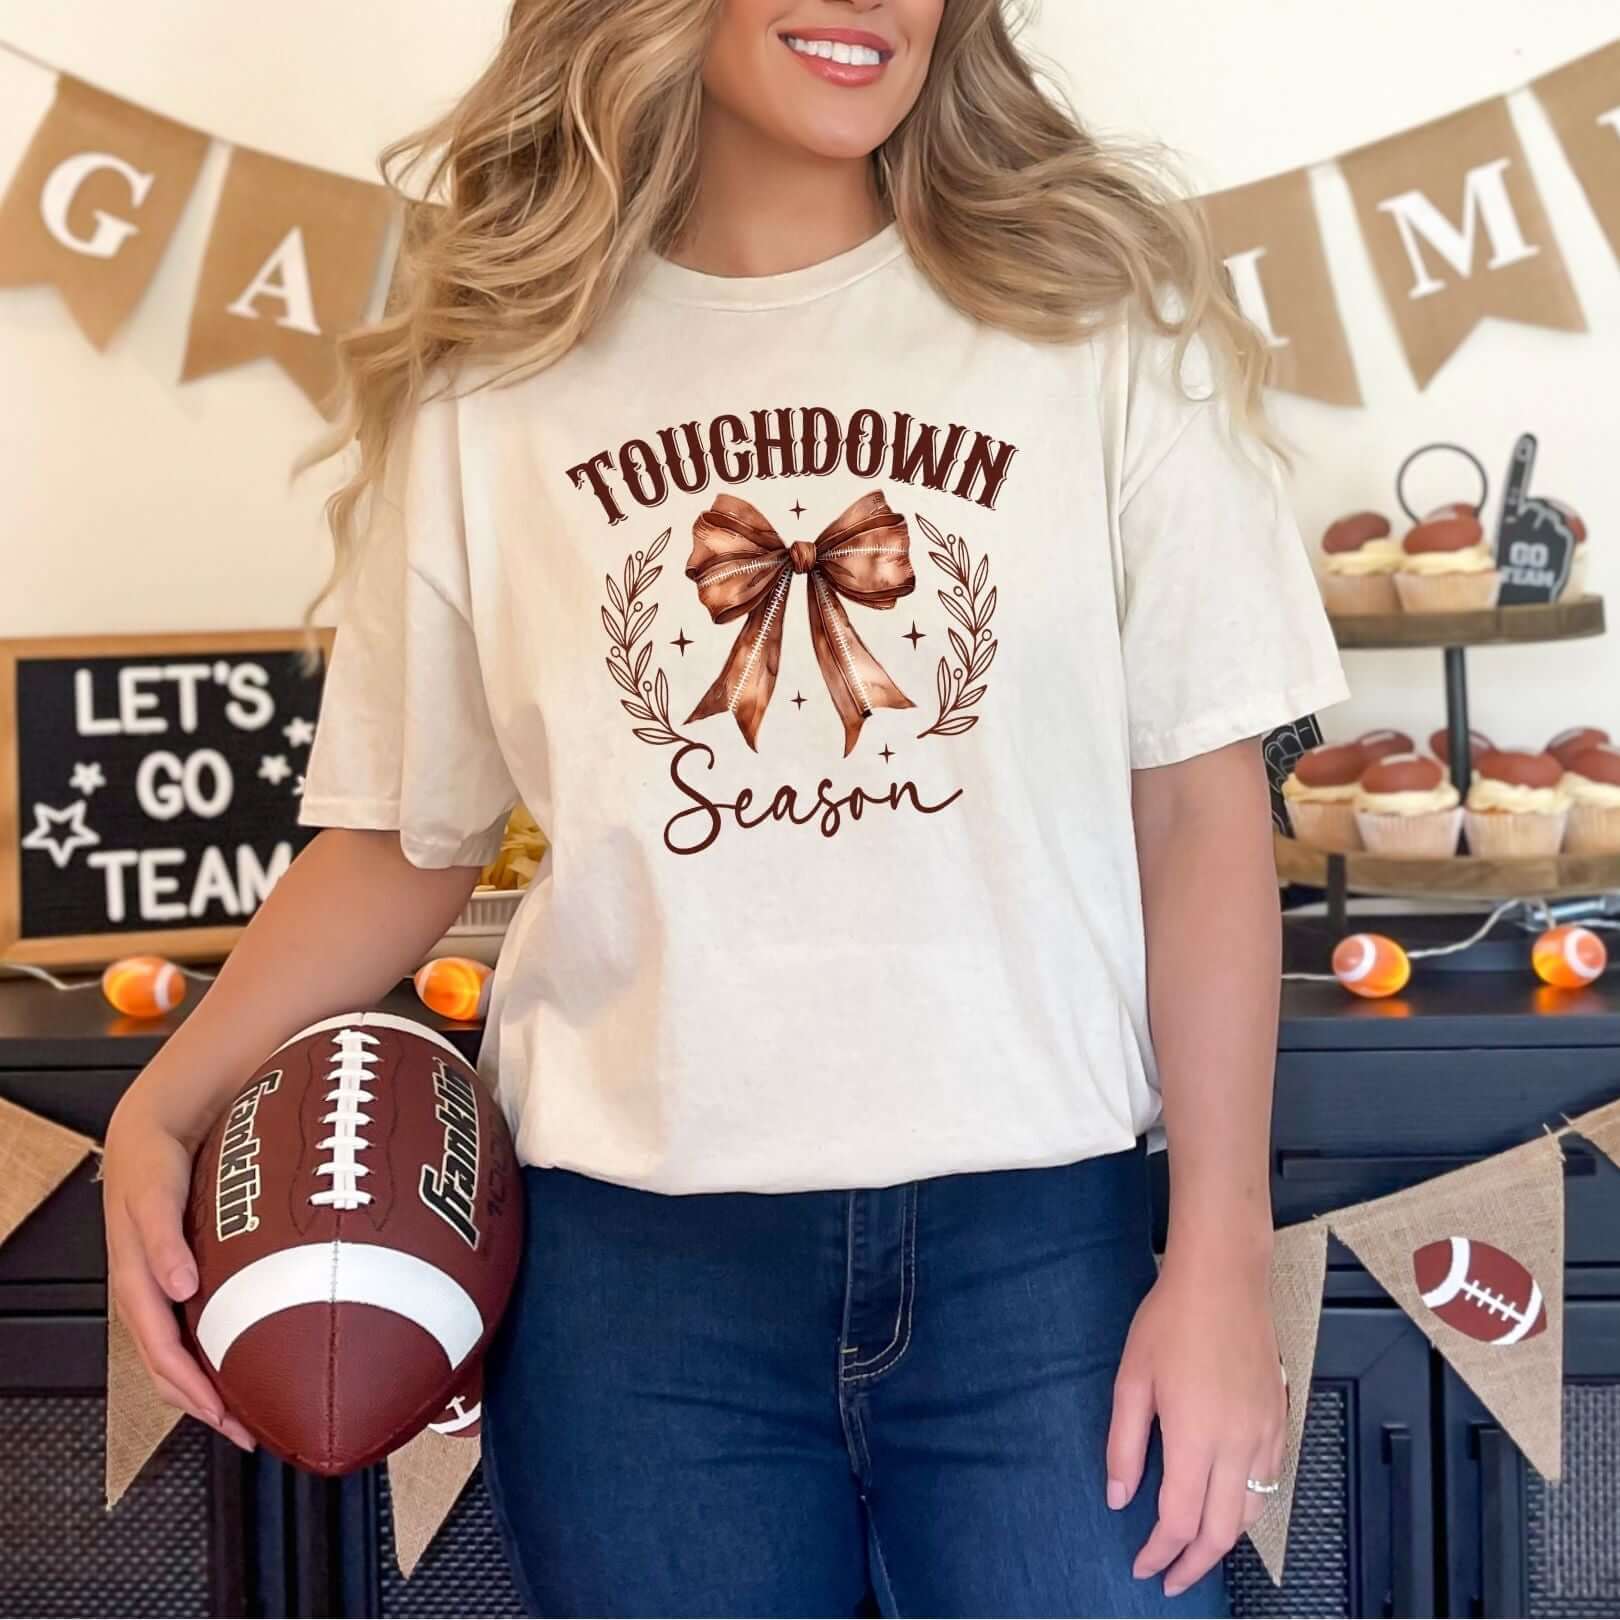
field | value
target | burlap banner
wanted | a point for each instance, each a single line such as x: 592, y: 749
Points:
x: 1456, y: 230
x: 36, y: 1157
x: 289, y: 266
x: 1582, y: 101
x: 1268, y: 237
x: 1298, y: 1264
x: 1476, y: 1259
x: 427, y: 1474
x: 94, y: 203
x: 138, y: 1421
x: 1601, y: 1128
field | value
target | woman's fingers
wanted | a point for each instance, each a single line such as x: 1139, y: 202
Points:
x: 1267, y: 1465
x: 1128, y: 1436
x: 1218, y: 1529
x: 1181, y: 1508
x: 149, y: 1316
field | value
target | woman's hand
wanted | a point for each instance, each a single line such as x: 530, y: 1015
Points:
x: 1202, y: 1358
x: 146, y: 1176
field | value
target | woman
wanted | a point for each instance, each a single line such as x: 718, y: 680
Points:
x: 828, y: 487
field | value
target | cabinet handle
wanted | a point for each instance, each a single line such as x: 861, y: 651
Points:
x: 1501, y: 1523
x: 1303, y: 1165
x: 1403, y: 1526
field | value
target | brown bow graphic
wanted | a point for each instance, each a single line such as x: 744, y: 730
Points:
x: 742, y: 566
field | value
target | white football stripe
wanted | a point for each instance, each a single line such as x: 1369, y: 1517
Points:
x: 1446, y: 1289
x: 341, y: 1274
x: 1523, y: 1325
x: 374, y: 1020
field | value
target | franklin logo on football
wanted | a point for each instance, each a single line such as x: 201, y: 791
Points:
x: 451, y: 1190
x: 237, y: 1182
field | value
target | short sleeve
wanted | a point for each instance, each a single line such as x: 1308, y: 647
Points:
x: 1223, y: 631
x: 404, y: 739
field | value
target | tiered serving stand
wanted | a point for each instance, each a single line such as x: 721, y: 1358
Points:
x: 1457, y: 877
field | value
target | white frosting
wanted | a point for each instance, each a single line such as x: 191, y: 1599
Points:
x: 1376, y: 557
x: 1515, y: 798
x: 1583, y: 790
x: 1334, y: 793
x: 1409, y: 801
x: 1468, y: 560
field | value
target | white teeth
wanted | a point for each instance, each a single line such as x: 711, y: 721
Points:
x: 835, y: 51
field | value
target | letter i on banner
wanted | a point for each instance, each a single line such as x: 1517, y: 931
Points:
x: 94, y: 203
x: 1456, y: 231
x: 1268, y: 237
x: 1582, y: 102
x: 289, y: 267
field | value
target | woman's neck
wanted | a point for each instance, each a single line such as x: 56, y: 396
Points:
x: 763, y: 208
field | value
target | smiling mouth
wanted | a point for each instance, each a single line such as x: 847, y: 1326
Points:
x: 842, y: 61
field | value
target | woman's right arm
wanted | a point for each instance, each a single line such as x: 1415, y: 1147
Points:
x: 349, y: 918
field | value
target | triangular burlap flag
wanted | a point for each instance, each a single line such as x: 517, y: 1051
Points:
x: 289, y: 267
x: 1268, y: 237
x: 1298, y: 1264
x: 138, y: 1421
x: 1456, y: 230
x: 1476, y: 1259
x: 94, y: 203
x: 36, y: 1156
x: 425, y: 1476
x: 1582, y: 103
x: 1601, y: 1128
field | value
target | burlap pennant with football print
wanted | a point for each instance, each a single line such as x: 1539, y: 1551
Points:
x: 428, y: 1473
x: 94, y: 202
x: 1298, y: 1264
x: 138, y: 1420
x: 36, y: 1157
x: 1476, y: 1259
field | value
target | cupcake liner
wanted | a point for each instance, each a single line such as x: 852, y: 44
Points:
x: 1429, y: 836
x: 1448, y: 593
x: 1575, y: 585
x: 1498, y: 834
x: 1360, y: 593
x: 1325, y: 826
x: 1594, y: 829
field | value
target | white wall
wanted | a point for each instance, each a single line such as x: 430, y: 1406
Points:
x: 189, y: 521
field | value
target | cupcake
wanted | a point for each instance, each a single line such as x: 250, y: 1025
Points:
x: 1575, y: 585
x: 1446, y: 566
x: 1440, y: 747
x: 1375, y: 744
x: 1358, y: 565
x: 1320, y: 794
x: 1592, y: 781
x: 1407, y: 806
x: 1576, y: 740
x: 1516, y: 805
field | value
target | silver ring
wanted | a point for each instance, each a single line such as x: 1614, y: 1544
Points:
x: 1264, y: 1487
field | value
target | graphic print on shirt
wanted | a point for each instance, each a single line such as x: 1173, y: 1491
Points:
x: 743, y: 570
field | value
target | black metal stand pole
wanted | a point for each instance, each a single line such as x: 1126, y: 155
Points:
x: 1462, y: 757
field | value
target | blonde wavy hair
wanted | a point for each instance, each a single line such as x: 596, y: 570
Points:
x: 576, y: 151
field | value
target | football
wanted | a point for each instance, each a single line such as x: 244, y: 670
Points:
x: 1480, y: 1290
x: 463, y: 1418
x: 356, y: 1219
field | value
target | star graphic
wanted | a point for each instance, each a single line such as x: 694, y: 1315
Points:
x: 683, y: 641
x: 298, y: 786
x: 914, y: 635
x: 796, y: 509
x: 274, y: 769
x: 59, y: 848
x: 798, y: 700
x: 299, y: 732
x: 85, y: 779
x: 887, y: 753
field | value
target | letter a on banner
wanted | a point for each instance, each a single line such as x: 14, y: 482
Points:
x: 289, y: 267
x: 1268, y: 237
x: 94, y: 203
x: 1456, y: 230
x: 1583, y: 104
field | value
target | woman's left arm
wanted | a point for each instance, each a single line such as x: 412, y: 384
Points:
x: 1202, y: 1352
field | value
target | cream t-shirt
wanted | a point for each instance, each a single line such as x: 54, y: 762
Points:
x: 821, y: 628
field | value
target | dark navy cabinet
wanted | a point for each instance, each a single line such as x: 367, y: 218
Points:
x: 1410, y: 1501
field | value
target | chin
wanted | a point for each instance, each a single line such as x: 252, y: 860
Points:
x: 834, y: 142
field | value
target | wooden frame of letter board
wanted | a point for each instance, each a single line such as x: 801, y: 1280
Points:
x: 96, y: 950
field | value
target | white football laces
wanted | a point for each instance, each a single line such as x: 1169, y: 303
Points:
x: 350, y: 1074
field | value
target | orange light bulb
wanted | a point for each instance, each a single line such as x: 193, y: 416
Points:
x: 143, y: 986
x: 1370, y: 965
x: 1568, y: 957
x: 454, y: 987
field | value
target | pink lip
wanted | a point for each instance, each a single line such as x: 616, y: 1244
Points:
x: 849, y: 74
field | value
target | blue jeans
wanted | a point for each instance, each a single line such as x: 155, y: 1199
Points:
x: 832, y: 1403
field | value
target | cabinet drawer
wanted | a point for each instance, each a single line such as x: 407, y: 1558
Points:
x: 62, y: 1240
